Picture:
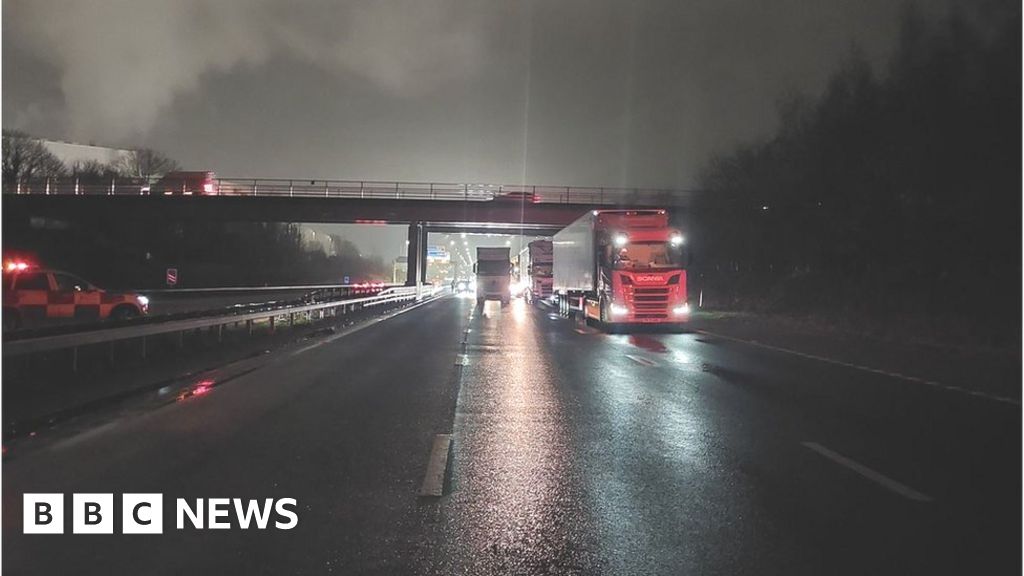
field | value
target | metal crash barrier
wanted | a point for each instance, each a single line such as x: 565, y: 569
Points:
x: 112, y: 334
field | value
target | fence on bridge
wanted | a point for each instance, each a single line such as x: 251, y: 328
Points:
x: 360, y: 189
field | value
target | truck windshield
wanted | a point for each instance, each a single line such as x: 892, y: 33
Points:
x: 647, y: 255
x: 493, y: 268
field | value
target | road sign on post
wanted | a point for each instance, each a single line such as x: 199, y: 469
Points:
x: 345, y: 280
x: 172, y: 277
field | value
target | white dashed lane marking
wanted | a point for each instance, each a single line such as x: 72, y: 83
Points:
x: 641, y: 360
x: 874, y: 476
x: 433, y: 478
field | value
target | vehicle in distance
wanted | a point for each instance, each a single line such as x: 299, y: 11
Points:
x: 34, y: 296
x: 186, y: 183
x: 462, y: 285
x: 493, y: 274
x: 621, y: 267
x: 533, y: 268
x: 518, y: 196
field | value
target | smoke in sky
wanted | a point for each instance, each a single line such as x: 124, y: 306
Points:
x: 123, y: 62
x: 578, y: 92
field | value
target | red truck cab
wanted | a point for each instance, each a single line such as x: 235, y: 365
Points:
x: 187, y: 183
x: 622, y: 267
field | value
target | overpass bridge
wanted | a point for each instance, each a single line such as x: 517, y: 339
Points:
x: 424, y: 207
x: 429, y: 436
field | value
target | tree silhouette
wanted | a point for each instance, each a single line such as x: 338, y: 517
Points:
x: 889, y: 196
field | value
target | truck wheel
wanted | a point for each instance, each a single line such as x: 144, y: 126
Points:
x: 504, y: 301
x: 479, y: 302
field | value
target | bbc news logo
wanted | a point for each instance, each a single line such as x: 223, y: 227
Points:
x: 144, y: 514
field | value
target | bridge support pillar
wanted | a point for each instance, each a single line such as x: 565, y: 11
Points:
x: 416, y: 250
x: 423, y: 257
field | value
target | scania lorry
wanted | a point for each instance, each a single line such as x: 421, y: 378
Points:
x: 493, y: 274
x: 622, y: 267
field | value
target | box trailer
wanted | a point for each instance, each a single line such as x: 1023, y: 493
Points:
x: 493, y: 274
x: 533, y: 271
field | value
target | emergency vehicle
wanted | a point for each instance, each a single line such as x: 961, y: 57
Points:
x: 34, y: 296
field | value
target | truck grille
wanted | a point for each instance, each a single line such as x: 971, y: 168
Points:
x: 650, y: 303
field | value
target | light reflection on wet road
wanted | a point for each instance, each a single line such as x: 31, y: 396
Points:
x: 569, y: 459
x: 574, y: 452
x: 583, y: 452
x: 515, y: 505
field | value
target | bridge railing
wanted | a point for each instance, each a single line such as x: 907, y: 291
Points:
x: 466, y: 192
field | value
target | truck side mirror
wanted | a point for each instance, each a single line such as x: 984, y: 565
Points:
x: 474, y: 267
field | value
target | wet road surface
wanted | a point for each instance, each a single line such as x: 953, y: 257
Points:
x: 572, y: 452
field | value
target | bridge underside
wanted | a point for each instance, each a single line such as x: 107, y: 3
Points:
x: 422, y: 216
x: 284, y: 209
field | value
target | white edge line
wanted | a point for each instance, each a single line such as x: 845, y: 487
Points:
x: 917, y: 379
x: 877, y: 477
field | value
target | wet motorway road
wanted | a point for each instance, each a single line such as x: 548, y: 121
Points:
x: 573, y: 452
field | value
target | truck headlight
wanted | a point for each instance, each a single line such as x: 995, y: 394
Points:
x: 684, y: 309
x: 618, y: 310
x: 620, y: 240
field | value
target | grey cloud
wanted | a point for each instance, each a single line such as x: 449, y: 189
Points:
x: 584, y: 92
x: 123, y: 62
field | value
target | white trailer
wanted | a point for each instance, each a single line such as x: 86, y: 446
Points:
x: 493, y: 269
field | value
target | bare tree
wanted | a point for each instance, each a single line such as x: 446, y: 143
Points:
x: 145, y: 163
x: 25, y: 158
x: 92, y: 171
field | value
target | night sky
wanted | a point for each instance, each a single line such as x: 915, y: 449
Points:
x: 572, y: 92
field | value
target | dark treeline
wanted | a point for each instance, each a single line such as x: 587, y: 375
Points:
x: 271, y: 253
x: 133, y: 254
x: 137, y: 254
x: 895, y: 196
x: 27, y: 158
